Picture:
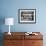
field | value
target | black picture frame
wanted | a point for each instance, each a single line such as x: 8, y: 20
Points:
x: 27, y: 16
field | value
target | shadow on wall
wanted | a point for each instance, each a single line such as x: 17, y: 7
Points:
x: 2, y: 21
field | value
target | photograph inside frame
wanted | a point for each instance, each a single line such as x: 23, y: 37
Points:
x: 27, y: 16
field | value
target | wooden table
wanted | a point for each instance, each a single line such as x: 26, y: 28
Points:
x: 20, y: 39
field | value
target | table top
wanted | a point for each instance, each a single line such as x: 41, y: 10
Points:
x: 22, y: 35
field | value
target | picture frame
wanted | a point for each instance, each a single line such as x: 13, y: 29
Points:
x: 27, y: 16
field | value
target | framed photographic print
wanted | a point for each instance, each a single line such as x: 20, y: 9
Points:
x: 27, y: 16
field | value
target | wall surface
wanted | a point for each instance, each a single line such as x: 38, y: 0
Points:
x: 9, y: 8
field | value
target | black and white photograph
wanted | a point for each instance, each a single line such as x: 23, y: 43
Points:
x: 27, y: 15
